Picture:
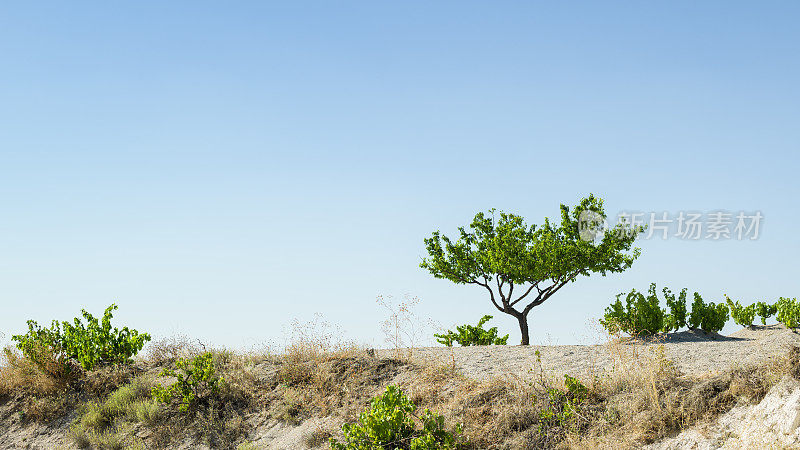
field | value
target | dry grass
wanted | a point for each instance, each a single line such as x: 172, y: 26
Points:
x: 166, y: 351
x: 107, y: 424
x: 314, y: 383
x: 218, y: 420
x: 643, y: 399
x: 646, y: 399
x: 50, y: 375
x: 48, y: 388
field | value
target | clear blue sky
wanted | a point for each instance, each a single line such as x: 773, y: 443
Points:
x: 219, y: 170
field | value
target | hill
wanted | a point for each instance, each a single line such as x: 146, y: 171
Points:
x: 625, y: 394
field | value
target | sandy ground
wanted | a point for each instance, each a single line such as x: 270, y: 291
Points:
x: 694, y: 353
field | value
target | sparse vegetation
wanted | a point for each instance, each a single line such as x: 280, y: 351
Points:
x: 103, y: 423
x: 467, y: 335
x: 645, y: 398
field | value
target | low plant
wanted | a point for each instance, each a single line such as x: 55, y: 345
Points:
x: 742, y: 315
x: 562, y: 405
x: 467, y: 335
x: 676, y: 318
x: 709, y: 317
x: 639, y: 315
x: 388, y: 424
x: 788, y: 312
x: 90, y: 344
x: 196, y: 380
x: 765, y: 311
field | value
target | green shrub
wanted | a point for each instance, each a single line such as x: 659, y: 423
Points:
x: 765, y: 311
x: 742, y: 315
x: 472, y: 335
x: 788, y: 312
x: 676, y: 319
x: 707, y: 317
x: 387, y: 425
x: 642, y: 314
x: 639, y: 315
x: 197, y: 381
x: 91, y: 344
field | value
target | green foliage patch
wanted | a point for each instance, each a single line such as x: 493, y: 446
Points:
x: 676, y: 318
x: 467, y: 335
x: 562, y: 405
x: 388, y: 424
x: 765, y: 311
x: 788, y: 312
x: 91, y: 344
x: 742, y: 315
x: 196, y: 380
x: 709, y: 317
x: 640, y: 315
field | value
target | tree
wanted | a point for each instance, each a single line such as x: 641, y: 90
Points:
x: 506, y: 255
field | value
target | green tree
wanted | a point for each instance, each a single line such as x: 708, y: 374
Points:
x: 522, y: 266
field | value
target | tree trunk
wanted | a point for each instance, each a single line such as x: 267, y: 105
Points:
x: 523, y: 328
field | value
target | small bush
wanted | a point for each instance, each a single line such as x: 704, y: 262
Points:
x: 386, y: 424
x: 676, y: 319
x: 91, y: 344
x: 639, y: 314
x: 765, y: 311
x: 742, y: 315
x: 198, y: 381
x: 472, y: 335
x: 710, y: 317
x: 788, y: 312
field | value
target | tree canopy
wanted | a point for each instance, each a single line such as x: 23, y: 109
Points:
x: 522, y: 266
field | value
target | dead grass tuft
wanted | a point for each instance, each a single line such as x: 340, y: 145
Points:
x: 318, y: 383
x: 166, y: 351
x: 49, y: 375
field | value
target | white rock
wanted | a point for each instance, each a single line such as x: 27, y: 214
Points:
x: 772, y: 423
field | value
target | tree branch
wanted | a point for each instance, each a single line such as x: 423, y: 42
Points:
x: 550, y: 291
x: 500, y: 283
x: 491, y: 293
x: 535, y: 285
